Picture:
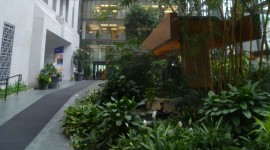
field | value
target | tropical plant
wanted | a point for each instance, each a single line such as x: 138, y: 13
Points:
x: 237, y: 106
x: 119, y: 86
x: 43, y: 80
x: 133, y: 63
x: 161, y: 135
x: 78, y: 60
x: 87, y: 72
x: 92, y: 126
x: 211, y: 135
x: 140, y: 22
x: 262, y: 134
x: 156, y: 136
x: 49, y: 69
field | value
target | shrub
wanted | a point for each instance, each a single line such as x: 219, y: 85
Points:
x: 158, y: 136
x: 12, y: 88
x: 49, y: 69
x: 262, y: 134
x: 237, y: 106
x: 92, y: 126
x: 119, y: 86
x: 43, y: 79
x: 162, y: 135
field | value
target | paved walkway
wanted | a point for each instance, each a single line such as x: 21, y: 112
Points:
x: 50, y: 137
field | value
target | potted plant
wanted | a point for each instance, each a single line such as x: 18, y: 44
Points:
x: 78, y: 57
x: 43, y: 80
x: 51, y: 71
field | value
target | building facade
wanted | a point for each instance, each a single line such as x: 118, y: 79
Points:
x: 98, y: 34
x: 37, y: 32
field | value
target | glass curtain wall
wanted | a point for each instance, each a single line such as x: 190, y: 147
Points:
x: 97, y: 33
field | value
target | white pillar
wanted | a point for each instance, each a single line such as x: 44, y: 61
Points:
x: 64, y: 9
x: 58, y: 7
x: 70, y: 10
x: 76, y: 14
x: 50, y: 2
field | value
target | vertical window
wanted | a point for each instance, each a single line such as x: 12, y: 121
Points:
x: 67, y: 9
x: 6, y: 51
x: 46, y: 1
x: 54, y: 5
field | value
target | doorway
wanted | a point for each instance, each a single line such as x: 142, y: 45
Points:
x: 99, y: 70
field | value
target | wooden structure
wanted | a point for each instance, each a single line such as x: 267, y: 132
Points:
x: 192, y: 37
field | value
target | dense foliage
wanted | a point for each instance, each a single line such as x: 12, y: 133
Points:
x: 237, y: 106
x: 120, y: 86
x: 93, y: 126
x: 140, y: 22
x: 161, y: 135
x: 230, y: 118
x: 133, y: 63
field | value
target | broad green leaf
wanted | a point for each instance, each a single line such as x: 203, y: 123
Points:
x: 232, y: 88
x: 251, y: 102
x: 260, y: 97
x: 247, y: 113
x: 128, y: 117
x: 118, y: 123
x: 243, y: 105
x: 233, y: 110
x: 226, y: 111
x: 211, y: 93
x: 215, y: 108
x: 257, y: 109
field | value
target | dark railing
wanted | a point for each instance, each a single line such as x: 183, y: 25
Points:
x: 18, y: 85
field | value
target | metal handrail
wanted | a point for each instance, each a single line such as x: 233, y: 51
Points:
x: 18, y: 85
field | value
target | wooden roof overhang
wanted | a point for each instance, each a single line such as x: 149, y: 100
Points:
x: 167, y: 38
x: 176, y: 35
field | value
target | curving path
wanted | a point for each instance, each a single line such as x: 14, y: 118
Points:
x: 18, y: 132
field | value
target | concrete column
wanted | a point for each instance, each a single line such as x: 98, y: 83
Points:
x: 37, y: 50
x: 64, y: 9
x: 50, y: 2
x: 70, y: 10
x: 67, y: 62
x: 76, y: 14
x: 58, y: 7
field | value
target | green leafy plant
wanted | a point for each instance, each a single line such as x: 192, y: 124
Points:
x: 78, y: 59
x: 140, y: 22
x: 156, y: 136
x: 43, y: 80
x: 211, y: 135
x: 133, y: 63
x: 150, y: 94
x: 237, y: 106
x: 12, y: 88
x: 163, y: 134
x: 262, y: 134
x: 92, y: 126
x: 49, y: 69
x: 119, y: 86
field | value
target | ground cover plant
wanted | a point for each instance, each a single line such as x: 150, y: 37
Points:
x: 93, y: 126
x: 237, y: 106
x: 12, y: 88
